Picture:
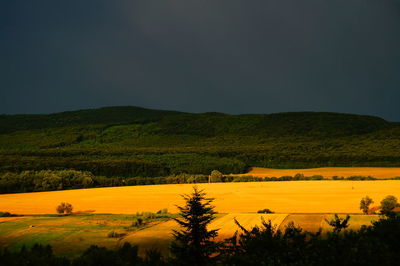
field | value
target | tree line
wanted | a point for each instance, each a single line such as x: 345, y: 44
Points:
x: 50, y: 180
x: 125, y: 166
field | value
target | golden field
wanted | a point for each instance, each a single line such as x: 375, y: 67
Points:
x: 325, y: 196
x: 306, y: 203
x: 328, y: 172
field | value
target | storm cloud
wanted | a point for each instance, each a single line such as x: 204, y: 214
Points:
x: 258, y: 56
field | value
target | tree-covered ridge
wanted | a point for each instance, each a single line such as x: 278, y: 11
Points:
x: 133, y: 141
x: 204, y: 124
x: 105, y: 115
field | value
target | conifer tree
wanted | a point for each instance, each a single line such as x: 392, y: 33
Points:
x: 193, y: 244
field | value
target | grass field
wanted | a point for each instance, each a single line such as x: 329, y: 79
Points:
x: 281, y: 197
x: 68, y: 235
x: 328, y: 172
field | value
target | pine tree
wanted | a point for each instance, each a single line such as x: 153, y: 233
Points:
x: 194, y: 244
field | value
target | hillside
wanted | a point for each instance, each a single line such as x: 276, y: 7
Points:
x: 205, y: 124
x: 134, y: 141
x: 105, y: 115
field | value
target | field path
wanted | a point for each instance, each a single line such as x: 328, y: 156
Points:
x: 325, y: 196
x: 328, y: 172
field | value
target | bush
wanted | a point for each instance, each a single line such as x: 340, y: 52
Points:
x: 64, y: 208
x: 138, y: 222
x: 265, y: 211
x: 163, y: 211
x: 7, y: 214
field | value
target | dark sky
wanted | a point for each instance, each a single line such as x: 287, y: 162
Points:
x: 250, y: 56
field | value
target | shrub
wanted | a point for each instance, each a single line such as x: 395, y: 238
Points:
x: 7, y: 214
x: 265, y: 211
x: 338, y: 223
x: 316, y: 177
x: 64, y: 208
x: 163, y: 211
x: 147, y: 215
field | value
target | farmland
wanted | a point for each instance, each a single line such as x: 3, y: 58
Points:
x: 114, y: 164
x: 306, y: 203
x: 71, y: 235
x: 326, y: 196
x: 328, y: 172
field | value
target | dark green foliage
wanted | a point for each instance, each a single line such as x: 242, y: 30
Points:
x: 373, y: 245
x: 104, y: 167
x: 388, y: 204
x: 105, y: 115
x: 64, y: 208
x: 100, y: 256
x: 338, y: 223
x: 360, y: 178
x: 45, y: 180
x: 114, y: 234
x: 265, y: 211
x: 194, y: 245
x: 7, y: 214
x: 132, y: 141
x: 265, y: 245
x: 38, y: 255
x: 365, y: 203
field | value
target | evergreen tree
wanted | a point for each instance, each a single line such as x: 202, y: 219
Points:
x: 194, y: 244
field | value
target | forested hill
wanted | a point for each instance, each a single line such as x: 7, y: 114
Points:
x: 105, y: 115
x: 134, y: 141
x: 205, y: 124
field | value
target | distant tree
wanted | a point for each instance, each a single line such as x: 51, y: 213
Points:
x: 193, y: 245
x: 215, y: 176
x: 388, y: 204
x: 64, y: 208
x: 265, y: 211
x: 365, y: 203
x: 338, y: 223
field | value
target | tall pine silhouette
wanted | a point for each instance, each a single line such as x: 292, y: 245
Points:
x: 194, y: 243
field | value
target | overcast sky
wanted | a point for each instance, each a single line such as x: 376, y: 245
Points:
x: 250, y: 56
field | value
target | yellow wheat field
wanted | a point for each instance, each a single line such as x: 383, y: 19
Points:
x: 281, y: 197
x: 328, y: 172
